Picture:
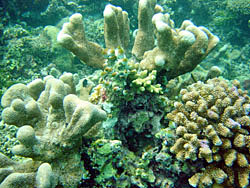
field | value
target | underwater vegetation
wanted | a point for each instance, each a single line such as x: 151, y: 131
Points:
x: 141, y: 111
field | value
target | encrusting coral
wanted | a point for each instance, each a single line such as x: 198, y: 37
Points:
x: 213, y: 125
x: 52, y: 121
x: 178, y: 50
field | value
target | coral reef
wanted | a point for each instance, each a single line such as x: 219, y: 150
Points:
x: 178, y: 50
x: 25, y: 55
x: 224, y: 18
x: 52, y: 121
x: 133, y: 96
x: 213, y: 125
x: 120, y: 89
x: 203, y: 142
x: 95, y: 29
x: 119, y: 167
x: 174, y: 86
x: 234, y: 61
x: 239, y: 6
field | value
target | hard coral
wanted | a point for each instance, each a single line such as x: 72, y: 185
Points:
x: 213, y: 125
x: 52, y: 121
x: 178, y: 50
x: 72, y: 37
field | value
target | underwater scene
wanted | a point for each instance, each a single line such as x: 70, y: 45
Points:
x: 125, y: 93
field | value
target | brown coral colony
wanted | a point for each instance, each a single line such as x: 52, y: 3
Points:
x: 213, y: 124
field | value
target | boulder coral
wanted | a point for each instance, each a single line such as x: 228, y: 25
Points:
x: 52, y: 121
x: 177, y: 51
x: 213, y: 125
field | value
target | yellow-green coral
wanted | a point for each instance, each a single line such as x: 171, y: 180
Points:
x: 122, y: 78
x: 213, y: 124
x: 145, y: 82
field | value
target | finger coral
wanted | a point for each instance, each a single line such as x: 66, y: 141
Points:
x: 176, y: 51
x: 213, y: 125
x: 144, y: 39
x: 72, y: 37
x: 52, y: 121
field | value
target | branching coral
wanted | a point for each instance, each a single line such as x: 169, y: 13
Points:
x: 116, y: 27
x: 26, y: 174
x: 178, y: 50
x: 144, y: 39
x: 52, y: 121
x: 213, y: 125
x: 121, y: 77
x: 72, y: 37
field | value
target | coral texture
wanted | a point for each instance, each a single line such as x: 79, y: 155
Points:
x: 178, y: 50
x: 14, y: 174
x: 116, y: 27
x: 239, y: 6
x: 144, y: 39
x: 72, y: 37
x: 52, y: 121
x: 213, y: 125
x: 116, y: 32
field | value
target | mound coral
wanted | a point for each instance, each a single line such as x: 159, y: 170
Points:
x: 52, y: 120
x: 213, y: 125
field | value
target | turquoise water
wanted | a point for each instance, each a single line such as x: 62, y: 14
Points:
x: 143, y: 85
